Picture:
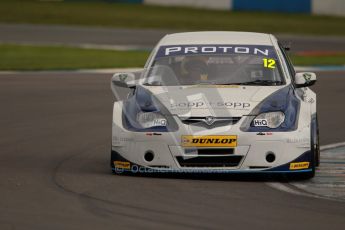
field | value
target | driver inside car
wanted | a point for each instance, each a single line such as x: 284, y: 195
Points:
x: 194, y: 69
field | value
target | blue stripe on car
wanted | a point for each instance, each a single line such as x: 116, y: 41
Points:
x: 283, y: 100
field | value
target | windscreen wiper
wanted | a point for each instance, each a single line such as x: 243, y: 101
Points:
x: 257, y: 82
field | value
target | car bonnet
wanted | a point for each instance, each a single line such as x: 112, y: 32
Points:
x: 209, y: 100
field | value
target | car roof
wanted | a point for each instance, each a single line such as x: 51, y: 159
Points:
x: 216, y: 37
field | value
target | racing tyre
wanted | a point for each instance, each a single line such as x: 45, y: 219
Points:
x: 311, y: 174
x: 315, y: 144
x: 317, y: 161
x: 314, y: 149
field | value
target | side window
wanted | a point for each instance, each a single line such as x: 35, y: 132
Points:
x: 288, y: 62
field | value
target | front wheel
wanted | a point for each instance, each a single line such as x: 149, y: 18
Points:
x: 314, y: 149
x: 315, y: 143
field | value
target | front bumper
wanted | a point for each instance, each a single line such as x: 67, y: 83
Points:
x: 250, y: 154
x: 291, y: 150
x: 120, y: 164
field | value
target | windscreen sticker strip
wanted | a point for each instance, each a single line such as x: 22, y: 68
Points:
x: 183, y: 50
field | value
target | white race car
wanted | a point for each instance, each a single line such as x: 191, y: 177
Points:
x: 215, y: 102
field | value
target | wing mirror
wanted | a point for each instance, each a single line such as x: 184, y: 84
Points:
x: 126, y: 80
x: 305, y: 79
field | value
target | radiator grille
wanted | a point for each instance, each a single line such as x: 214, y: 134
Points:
x: 210, y: 122
x: 209, y: 161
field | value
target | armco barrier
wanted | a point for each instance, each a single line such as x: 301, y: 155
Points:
x: 323, y: 7
x: 319, y: 7
x: 296, y: 6
x: 210, y: 4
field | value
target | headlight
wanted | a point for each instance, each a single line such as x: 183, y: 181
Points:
x: 271, y: 120
x: 151, y: 119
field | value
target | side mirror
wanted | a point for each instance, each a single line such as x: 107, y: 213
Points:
x: 126, y: 80
x: 305, y: 79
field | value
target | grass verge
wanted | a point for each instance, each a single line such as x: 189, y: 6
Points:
x: 98, y: 13
x: 26, y: 57
x: 333, y: 60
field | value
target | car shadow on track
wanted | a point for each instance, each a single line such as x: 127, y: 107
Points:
x: 248, y: 177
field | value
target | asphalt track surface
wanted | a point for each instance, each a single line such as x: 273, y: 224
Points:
x: 54, y: 167
x: 134, y: 38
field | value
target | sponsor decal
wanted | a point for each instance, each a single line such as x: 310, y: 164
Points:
x: 260, y: 122
x: 215, y: 86
x: 120, y: 140
x: 115, y: 138
x: 159, y: 122
x: 209, y: 141
x: 298, y: 140
x: 153, y: 134
x: 201, y: 104
x: 264, y: 134
x: 299, y: 165
x: 260, y: 50
x: 122, y: 164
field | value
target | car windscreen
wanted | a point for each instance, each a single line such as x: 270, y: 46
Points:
x: 216, y: 65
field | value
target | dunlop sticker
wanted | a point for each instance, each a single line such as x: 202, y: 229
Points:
x: 209, y: 141
x: 299, y: 165
x: 122, y: 165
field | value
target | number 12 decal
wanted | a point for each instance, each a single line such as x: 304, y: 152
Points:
x: 269, y: 63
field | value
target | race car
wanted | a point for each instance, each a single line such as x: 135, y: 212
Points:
x: 215, y: 102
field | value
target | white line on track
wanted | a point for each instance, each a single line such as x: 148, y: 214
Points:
x: 332, y: 146
x: 327, y: 169
x: 285, y: 188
